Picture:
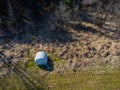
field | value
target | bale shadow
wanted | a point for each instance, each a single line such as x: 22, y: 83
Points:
x: 49, y: 67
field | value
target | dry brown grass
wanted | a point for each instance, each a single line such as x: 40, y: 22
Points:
x: 90, y: 45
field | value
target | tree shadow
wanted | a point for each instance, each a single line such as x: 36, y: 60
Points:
x: 94, y: 21
x: 42, y: 30
x: 24, y: 75
x: 102, y: 31
x: 113, y: 34
x: 44, y: 35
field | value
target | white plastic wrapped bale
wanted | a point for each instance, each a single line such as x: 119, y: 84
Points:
x: 41, y: 58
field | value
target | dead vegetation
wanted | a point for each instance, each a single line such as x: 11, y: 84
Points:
x: 77, y: 37
x: 81, y: 45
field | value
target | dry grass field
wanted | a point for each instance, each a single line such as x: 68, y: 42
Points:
x: 85, y: 57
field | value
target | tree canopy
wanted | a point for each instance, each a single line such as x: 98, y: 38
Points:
x: 15, y: 12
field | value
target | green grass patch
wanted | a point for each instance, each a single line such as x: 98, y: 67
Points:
x: 85, y: 80
x: 103, y: 77
x: 30, y: 64
x: 55, y: 58
x: 17, y: 81
x: 89, y: 79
